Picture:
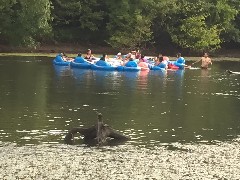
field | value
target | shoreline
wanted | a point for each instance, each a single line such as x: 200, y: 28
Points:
x: 52, y: 55
x: 72, y: 50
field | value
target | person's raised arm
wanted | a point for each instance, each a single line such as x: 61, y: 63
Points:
x: 197, y: 61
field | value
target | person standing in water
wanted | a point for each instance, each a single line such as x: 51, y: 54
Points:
x: 205, y: 61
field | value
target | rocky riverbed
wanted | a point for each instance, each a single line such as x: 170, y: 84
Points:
x: 219, y: 160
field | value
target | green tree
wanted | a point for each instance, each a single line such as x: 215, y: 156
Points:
x: 165, y: 15
x: 196, y: 35
x: 193, y: 24
x: 5, y: 17
x: 28, y: 23
x: 78, y: 20
x: 198, y: 25
x: 128, y: 26
x: 224, y: 13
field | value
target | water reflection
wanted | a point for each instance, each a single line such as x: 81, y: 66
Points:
x: 130, y: 79
x: 178, y: 83
x: 79, y: 74
x: 161, y: 79
x: 130, y: 75
x: 62, y: 70
x: 39, y: 102
x: 102, y: 76
x: 143, y: 81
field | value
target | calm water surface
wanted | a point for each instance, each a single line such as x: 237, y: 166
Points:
x: 40, y: 102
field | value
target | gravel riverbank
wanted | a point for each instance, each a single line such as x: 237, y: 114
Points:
x: 181, y: 161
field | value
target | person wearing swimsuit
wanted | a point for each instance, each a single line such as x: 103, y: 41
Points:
x: 89, y: 56
x: 205, y: 61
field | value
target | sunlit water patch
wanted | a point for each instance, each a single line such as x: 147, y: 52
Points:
x: 40, y: 102
x: 218, y: 160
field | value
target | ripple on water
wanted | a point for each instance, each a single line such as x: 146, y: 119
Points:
x: 165, y: 161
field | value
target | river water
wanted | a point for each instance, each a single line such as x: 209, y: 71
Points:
x: 183, y: 124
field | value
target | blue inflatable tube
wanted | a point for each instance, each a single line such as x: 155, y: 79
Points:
x: 84, y: 65
x: 163, y: 65
x: 124, y: 68
x: 156, y: 68
x: 180, y: 65
x: 103, y: 68
x: 180, y: 62
x: 61, y: 63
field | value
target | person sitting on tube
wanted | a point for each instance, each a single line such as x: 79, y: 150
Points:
x: 131, y: 63
x: 102, y: 61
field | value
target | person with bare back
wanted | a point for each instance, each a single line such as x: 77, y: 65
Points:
x: 205, y: 61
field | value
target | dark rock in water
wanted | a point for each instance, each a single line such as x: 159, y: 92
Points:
x: 98, y: 134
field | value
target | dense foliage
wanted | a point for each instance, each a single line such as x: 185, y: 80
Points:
x: 193, y: 24
x: 25, y: 22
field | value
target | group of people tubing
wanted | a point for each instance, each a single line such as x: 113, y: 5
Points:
x: 135, y: 59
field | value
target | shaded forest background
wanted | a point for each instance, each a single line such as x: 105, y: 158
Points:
x: 192, y: 26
